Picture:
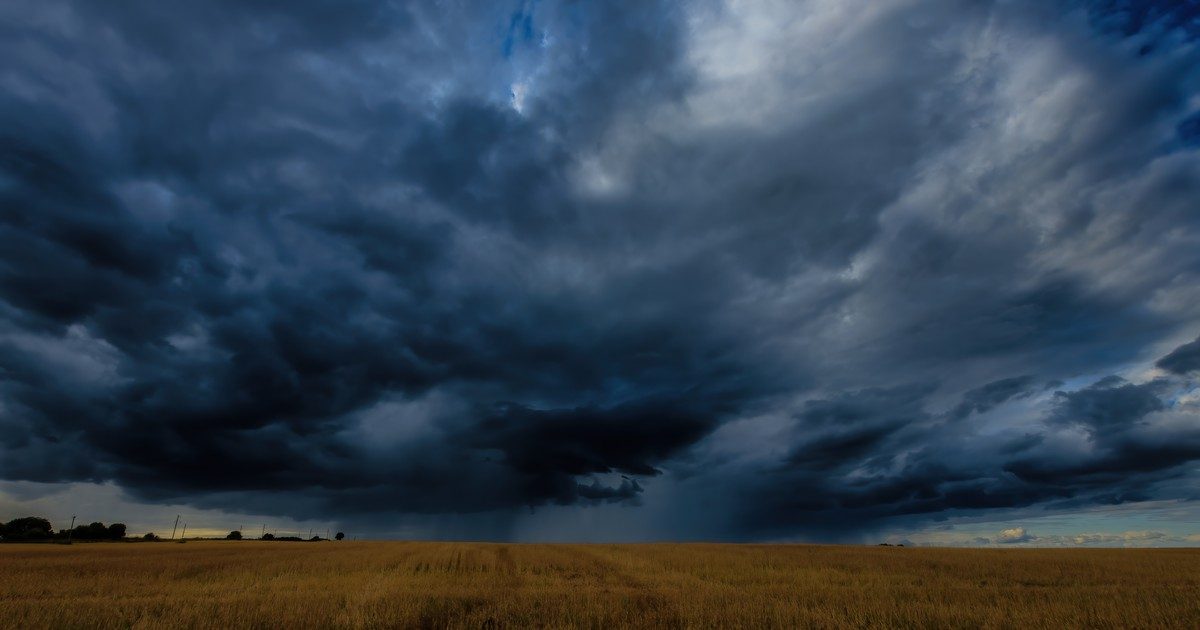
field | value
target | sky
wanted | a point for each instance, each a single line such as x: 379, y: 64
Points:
x: 782, y: 270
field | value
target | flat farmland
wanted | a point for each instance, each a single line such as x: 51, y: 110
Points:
x: 251, y: 584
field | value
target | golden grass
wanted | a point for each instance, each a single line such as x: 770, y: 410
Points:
x: 475, y: 585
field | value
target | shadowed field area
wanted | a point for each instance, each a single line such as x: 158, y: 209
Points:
x: 387, y: 584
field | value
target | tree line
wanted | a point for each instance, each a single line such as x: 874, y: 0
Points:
x: 37, y: 528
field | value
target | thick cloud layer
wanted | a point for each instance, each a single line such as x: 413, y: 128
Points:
x: 782, y: 268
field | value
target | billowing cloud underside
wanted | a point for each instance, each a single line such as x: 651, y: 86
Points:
x: 815, y: 266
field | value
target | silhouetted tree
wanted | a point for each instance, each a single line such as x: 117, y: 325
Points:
x: 27, y: 528
x: 340, y: 536
x: 234, y: 535
x: 91, y: 531
x: 116, y: 531
x: 268, y: 537
x: 150, y: 536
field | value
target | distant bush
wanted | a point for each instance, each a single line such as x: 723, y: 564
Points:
x: 340, y: 536
x: 150, y: 536
x: 268, y: 537
x: 234, y: 535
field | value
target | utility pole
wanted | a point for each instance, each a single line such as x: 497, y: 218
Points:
x: 175, y: 527
x: 71, y: 530
x: 264, y: 531
x: 184, y: 534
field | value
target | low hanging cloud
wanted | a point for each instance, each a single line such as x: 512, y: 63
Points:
x: 1023, y: 536
x: 1015, y: 535
x: 1183, y: 360
x: 814, y: 267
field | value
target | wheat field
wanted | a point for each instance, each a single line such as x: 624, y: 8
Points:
x: 249, y: 584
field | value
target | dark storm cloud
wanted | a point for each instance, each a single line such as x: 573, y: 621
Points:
x: 1117, y: 415
x: 883, y: 457
x: 983, y: 399
x: 246, y: 317
x: 1182, y: 360
x: 627, y: 438
x: 550, y: 450
x: 874, y: 456
x: 381, y: 258
x: 1134, y: 16
x: 845, y: 430
x: 1109, y: 405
